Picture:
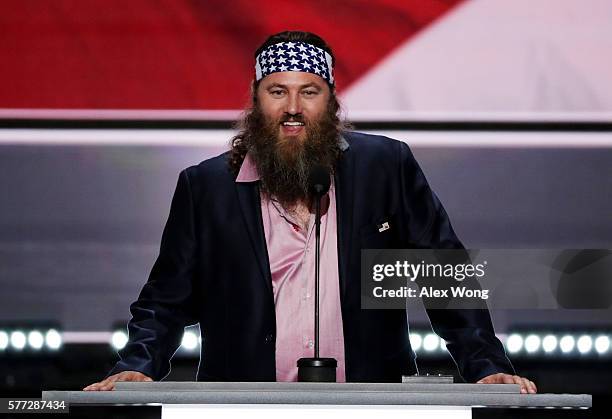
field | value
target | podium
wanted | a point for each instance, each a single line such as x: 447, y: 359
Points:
x: 271, y: 400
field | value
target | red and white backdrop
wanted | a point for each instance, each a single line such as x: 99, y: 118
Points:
x: 397, y: 59
x: 82, y: 210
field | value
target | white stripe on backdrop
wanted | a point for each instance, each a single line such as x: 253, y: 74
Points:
x: 220, y: 138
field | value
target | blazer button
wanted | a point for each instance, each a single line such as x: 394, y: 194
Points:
x: 269, y: 338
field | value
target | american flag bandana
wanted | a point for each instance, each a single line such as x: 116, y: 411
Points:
x: 294, y: 56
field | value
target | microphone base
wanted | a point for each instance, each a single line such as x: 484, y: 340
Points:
x: 317, y: 370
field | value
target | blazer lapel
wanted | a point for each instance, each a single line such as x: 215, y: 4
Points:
x: 250, y: 204
x: 343, y: 179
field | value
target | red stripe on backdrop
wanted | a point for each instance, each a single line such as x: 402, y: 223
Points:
x: 179, y: 54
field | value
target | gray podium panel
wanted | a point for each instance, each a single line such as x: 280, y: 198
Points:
x: 339, y: 396
x: 332, y: 387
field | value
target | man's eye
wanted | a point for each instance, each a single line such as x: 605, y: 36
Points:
x: 276, y: 92
x: 310, y: 92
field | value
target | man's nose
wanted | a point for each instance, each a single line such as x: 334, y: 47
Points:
x: 294, y: 105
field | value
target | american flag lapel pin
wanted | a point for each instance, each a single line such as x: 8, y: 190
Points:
x: 384, y: 226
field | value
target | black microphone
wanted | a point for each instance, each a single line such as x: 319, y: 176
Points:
x: 317, y: 369
x: 319, y: 181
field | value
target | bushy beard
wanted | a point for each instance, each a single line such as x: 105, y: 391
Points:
x: 284, y: 163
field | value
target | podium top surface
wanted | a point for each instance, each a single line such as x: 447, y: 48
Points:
x: 292, y: 387
x: 469, y: 395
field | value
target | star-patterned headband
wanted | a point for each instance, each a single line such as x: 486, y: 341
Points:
x: 294, y: 56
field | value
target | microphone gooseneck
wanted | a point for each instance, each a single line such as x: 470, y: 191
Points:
x: 317, y: 369
x: 319, y: 183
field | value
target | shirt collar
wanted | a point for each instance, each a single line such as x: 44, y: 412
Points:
x: 248, y: 170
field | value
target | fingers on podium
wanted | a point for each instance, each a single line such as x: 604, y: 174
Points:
x: 109, y: 383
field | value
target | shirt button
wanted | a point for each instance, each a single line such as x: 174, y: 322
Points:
x: 269, y: 338
x: 310, y: 343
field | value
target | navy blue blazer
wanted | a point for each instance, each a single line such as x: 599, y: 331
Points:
x: 213, y: 269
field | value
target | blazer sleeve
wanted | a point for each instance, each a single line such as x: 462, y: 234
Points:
x: 165, y: 304
x: 469, y: 334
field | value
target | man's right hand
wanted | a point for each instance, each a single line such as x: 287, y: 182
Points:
x: 109, y: 383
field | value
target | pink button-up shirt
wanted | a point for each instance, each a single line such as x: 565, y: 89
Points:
x: 291, y: 251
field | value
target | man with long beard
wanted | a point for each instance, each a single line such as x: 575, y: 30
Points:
x: 287, y: 141
x: 236, y: 254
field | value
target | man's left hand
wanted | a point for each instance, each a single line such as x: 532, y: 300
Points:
x: 527, y: 386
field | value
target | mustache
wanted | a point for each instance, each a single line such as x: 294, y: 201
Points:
x: 287, y: 117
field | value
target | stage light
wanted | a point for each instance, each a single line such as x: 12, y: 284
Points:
x: 53, y: 339
x: 584, y: 344
x: 514, y: 343
x: 416, y: 341
x: 36, y: 339
x: 442, y: 345
x: 602, y: 344
x: 119, y: 339
x: 431, y: 342
x: 567, y: 344
x: 190, y: 341
x: 4, y: 340
x: 18, y: 340
x: 532, y: 343
x: 549, y: 343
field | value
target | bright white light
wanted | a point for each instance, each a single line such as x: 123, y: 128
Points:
x: 602, y: 344
x: 532, y: 343
x: 190, y: 341
x: 36, y: 339
x: 416, y: 341
x: 514, y: 343
x: 442, y: 345
x: 4, y: 340
x: 18, y: 340
x: 549, y: 343
x: 53, y: 339
x: 119, y: 340
x: 431, y: 342
x: 584, y: 344
x: 567, y: 343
